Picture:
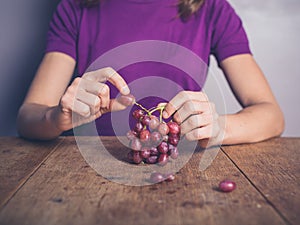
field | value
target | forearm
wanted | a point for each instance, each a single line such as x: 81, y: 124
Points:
x: 36, y: 122
x: 254, y: 123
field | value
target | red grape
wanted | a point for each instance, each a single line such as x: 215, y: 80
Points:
x: 130, y: 156
x: 135, y: 144
x: 138, y: 127
x: 165, y: 138
x: 173, y: 152
x: 137, y: 157
x: 174, y: 128
x: 169, y: 177
x: 227, y: 185
x: 131, y: 135
x: 154, y: 123
x: 137, y: 114
x: 156, y: 177
x: 154, y: 151
x: 173, y: 140
x: 152, y: 159
x: 145, y: 153
x: 163, y: 147
x: 155, y: 137
x: 145, y: 120
x: 163, y: 129
x: 145, y: 136
x: 163, y: 159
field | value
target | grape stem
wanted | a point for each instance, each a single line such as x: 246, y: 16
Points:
x: 152, y: 110
x: 142, y: 107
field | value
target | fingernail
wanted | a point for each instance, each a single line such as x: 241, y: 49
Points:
x: 165, y: 114
x: 125, y: 90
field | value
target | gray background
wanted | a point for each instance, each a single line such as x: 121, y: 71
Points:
x: 273, y: 27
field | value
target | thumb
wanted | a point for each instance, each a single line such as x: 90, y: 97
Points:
x: 115, y: 105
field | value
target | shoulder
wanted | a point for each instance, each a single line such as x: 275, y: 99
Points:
x: 219, y: 11
x: 215, y: 7
x: 215, y: 4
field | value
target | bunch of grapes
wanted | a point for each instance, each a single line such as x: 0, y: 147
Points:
x: 152, y: 140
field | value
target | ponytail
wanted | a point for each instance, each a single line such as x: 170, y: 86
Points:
x: 186, y: 8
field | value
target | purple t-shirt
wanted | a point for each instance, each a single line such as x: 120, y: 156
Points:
x: 88, y: 33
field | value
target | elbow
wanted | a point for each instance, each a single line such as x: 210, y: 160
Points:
x: 277, y: 122
x: 30, y: 124
x: 20, y: 123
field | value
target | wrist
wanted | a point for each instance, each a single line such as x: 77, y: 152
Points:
x: 225, y: 133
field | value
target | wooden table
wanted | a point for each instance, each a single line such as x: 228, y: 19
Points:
x: 50, y: 183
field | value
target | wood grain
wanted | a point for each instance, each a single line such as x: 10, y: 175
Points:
x: 18, y: 159
x: 65, y: 190
x: 273, y: 168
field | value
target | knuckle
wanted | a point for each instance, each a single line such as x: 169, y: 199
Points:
x: 182, y: 94
x: 192, y: 121
x: 109, y: 71
x: 104, y: 90
x: 189, y: 137
x: 203, y: 95
x: 177, y: 117
x: 64, y: 101
x: 70, y: 90
x: 97, y: 102
x: 77, y: 80
x: 197, y: 134
x: 85, y: 110
x: 187, y: 107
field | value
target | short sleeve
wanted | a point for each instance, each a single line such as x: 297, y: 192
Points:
x: 63, y: 29
x: 229, y: 37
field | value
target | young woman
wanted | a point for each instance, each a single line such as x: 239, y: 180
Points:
x: 81, y: 31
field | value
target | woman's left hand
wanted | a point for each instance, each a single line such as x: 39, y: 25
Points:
x: 197, y: 117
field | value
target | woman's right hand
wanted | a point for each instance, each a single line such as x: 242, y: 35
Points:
x: 87, y: 98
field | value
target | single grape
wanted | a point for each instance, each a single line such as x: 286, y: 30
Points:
x: 163, y: 129
x: 154, y: 151
x: 174, y: 128
x: 145, y: 153
x: 145, y: 136
x: 145, y: 120
x: 165, y: 138
x: 155, y: 138
x: 154, y: 122
x: 137, y: 157
x: 169, y: 177
x: 126, y: 100
x: 152, y: 159
x: 227, y: 185
x: 131, y: 135
x: 163, y: 159
x: 135, y: 144
x: 163, y: 147
x: 173, y: 151
x: 137, y: 114
x: 130, y: 155
x: 173, y: 140
x: 157, y: 177
x: 138, y: 127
